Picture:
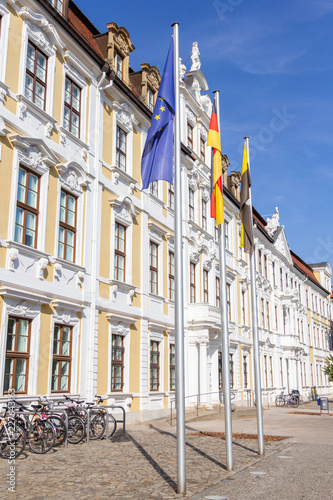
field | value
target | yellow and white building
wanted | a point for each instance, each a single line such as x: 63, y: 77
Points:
x: 86, y: 258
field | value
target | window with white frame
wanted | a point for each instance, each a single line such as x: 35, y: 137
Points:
x: 118, y: 64
x: 72, y: 107
x: 117, y: 363
x: 121, y: 149
x: 153, y: 188
x: 67, y: 227
x: 204, y: 214
x: 154, y: 365
x: 205, y: 285
x: 171, y: 275
x: 119, y: 252
x: 153, y: 267
x: 150, y: 98
x: 191, y: 204
x: 17, y: 355
x: 27, y: 209
x: 172, y: 367
x: 171, y: 197
x: 192, y: 283
x: 59, y: 5
x: 62, y: 358
x: 36, y: 75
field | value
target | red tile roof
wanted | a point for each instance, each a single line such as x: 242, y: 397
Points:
x: 304, y: 267
x: 83, y: 27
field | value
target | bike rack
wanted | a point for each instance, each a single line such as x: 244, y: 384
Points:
x: 102, y: 407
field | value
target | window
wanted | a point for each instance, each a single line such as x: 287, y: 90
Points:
x: 153, y: 188
x: 231, y: 371
x: 273, y: 270
x: 205, y: 285
x: 17, y: 355
x: 150, y: 99
x: 265, y: 265
x: 304, y: 373
x: 243, y: 307
x: 191, y: 204
x: 58, y: 5
x: 218, y: 294
x: 260, y: 261
x: 62, y: 358
x: 202, y: 150
x: 226, y: 234
x: 154, y: 366
x: 307, y: 297
x: 281, y: 279
x: 220, y: 371
x: 35, y: 77
x: 119, y: 252
x: 245, y: 371
x: 281, y: 371
x: 302, y: 382
x: 216, y: 234
x: 204, y: 215
x: 171, y: 197
x: 118, y: 64
x: 192, y: 282
x: 266, y: 374
x: 153, y: 255
x: 121, y: 149
x: 276, y: 318
x: 171, y: 276
x: 67, y: 227
x: 267, y: 316
x: 117, y: 363
x: 72, y: 106
x: 262, y: 313
x: 229, y: 300
x: 189, y: 135
x: 26, y: 222
x: 271, y: 370
x: 172, y: 367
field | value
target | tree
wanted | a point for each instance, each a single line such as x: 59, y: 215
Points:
x: 328, y: 368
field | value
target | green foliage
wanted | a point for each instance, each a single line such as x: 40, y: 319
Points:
x: 328, y: 369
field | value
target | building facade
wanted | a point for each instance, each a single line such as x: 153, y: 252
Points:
x: 87, y: 258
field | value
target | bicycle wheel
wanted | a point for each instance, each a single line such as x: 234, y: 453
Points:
x: 76, y: 430
x: 293, y: 402
x: 59, y: 429
x: 96, y: 426
x: 12, y: 441
x: 112, y: 425
x: 41, y: 436
x: 280, y: 401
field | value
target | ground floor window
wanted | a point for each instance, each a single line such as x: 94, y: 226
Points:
x: 117, y: 363
x: 154, y: 366
x: 172, y: 361
x: 62, y: 358
x: 17, y: 355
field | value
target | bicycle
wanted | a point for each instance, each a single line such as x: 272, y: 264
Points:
x: 12, y: 437
x: 39, y: 430
x: 291, y: 399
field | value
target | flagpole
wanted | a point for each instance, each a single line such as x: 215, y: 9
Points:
x: 224, y: 330
x: 179, y: 300
x: 255, y: 332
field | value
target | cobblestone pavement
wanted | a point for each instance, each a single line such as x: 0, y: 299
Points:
x: 141, y: 465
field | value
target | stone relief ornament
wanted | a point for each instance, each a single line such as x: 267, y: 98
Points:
x: 273, y: 222
x: 130, y: 297
x: 21, y: 107
x: 57, y: 270
x: 63, y: 138
x: 48, y: 129
x: 41, y: 266
x: 115, y: 177
x: 114, y: 289
x: 182, y: 70
x: 3, y: 93
x: 196, y: 64
x: 13, y: 257
x: 71, y: 178
x: 79, y: 278
x: 35, y: 157
x: 39, y: 37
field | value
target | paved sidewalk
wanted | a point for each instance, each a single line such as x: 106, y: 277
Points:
x: 143, y: 464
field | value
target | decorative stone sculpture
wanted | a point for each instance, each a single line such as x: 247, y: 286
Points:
x: 273, y: 222
x: 196, y: 64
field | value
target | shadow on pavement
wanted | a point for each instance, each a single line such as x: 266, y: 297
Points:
x: 197, y: 450
x: 154, y: 464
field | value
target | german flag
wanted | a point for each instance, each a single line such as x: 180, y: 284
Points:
x: 245, y: 207
x: 213, y: 140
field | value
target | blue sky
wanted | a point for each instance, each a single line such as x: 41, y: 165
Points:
x: 273, y: 64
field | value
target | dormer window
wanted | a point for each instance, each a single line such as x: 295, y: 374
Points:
x: 118, y: 64
x: 58, y: 5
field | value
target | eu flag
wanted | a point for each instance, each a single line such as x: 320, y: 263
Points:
x: 157, y: 157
